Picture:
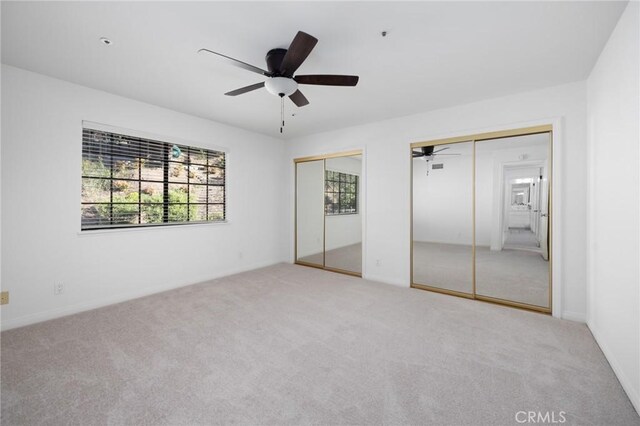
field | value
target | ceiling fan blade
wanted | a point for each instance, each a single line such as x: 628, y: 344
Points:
x: 298, y: 98
x: 238, y: 63
x: 328, y: 80
x: 298, y: 51
x: 441, y: 149
x: 417, y: 154
x: 446, y: 154
x: 245, y: 89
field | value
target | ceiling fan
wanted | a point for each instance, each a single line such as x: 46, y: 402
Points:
x: 281, y: 66
x: 428, y: 152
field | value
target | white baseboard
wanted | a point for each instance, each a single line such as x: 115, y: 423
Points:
x: 122, y: 297
x: 632, y: 393
x: 574, y: 316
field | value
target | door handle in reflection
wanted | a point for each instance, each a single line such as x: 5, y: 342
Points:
x: 544, y: 215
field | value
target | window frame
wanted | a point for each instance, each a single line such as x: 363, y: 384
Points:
x: 356, y: 192
x: 167, y: 144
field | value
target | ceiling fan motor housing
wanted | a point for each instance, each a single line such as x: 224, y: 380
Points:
x: 278, y: 85
x: 274, y: 60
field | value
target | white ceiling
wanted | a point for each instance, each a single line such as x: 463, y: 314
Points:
x: 436, y: 54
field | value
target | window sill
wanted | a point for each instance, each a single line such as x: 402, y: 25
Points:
x: 92, y: 232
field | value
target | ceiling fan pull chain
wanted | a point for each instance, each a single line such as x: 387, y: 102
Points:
x: 281, y: 112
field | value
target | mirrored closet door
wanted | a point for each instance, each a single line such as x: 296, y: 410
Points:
x: 512, y: 219
x: 481, y: 225
x: 329, y: 212
x: 442, y: 217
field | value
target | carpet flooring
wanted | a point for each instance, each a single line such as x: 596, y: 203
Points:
x: 347, y: 258
x: 289, y: 345
x: 522, y: 238
x: 516, y: 275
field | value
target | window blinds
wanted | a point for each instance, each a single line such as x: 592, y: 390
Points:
x: 130, y: 181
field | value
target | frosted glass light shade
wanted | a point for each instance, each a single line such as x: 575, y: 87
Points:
x: 278, y: 85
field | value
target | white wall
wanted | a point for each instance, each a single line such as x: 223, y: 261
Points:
x: 614, y: 210
x: 310, y: 208
x: 387, y: 189
x: 486, y: 190
x: 41, y: 244
x: 443, y: 198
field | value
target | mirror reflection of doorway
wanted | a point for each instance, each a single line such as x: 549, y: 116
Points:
x: 525, y: 207
x: 512, y: 261
x: 480, y: 226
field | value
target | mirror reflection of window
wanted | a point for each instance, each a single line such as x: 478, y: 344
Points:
x: 340, y: 193
x: 329, y: 212
x: 343, y: 221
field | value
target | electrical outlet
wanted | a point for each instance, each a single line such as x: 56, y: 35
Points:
x: 4, y: 298
x: 58, y: 288
x: 378, y: 262
x: 240, y: 255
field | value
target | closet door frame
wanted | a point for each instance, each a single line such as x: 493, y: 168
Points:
x: 475, y: 138
x: 324, y: 159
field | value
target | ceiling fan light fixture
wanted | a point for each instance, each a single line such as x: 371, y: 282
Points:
x: 281, y: 86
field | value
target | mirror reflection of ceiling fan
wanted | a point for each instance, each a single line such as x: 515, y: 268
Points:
x: 428, y: 152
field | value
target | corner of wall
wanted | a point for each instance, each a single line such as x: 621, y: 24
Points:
x: 574, y: 316
x: 612, y: 124
x: 624, y: 380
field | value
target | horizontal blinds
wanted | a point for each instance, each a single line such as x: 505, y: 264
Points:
x: 129, y: 181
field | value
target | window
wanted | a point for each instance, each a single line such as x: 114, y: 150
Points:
x: 130, y: 182
x: 340, y: 193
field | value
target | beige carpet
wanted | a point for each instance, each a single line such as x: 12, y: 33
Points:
x: 522, y: 238
x: 289, y: 345
x: 447, y: 266
x: 516, y: 275
x: 348, y: 258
